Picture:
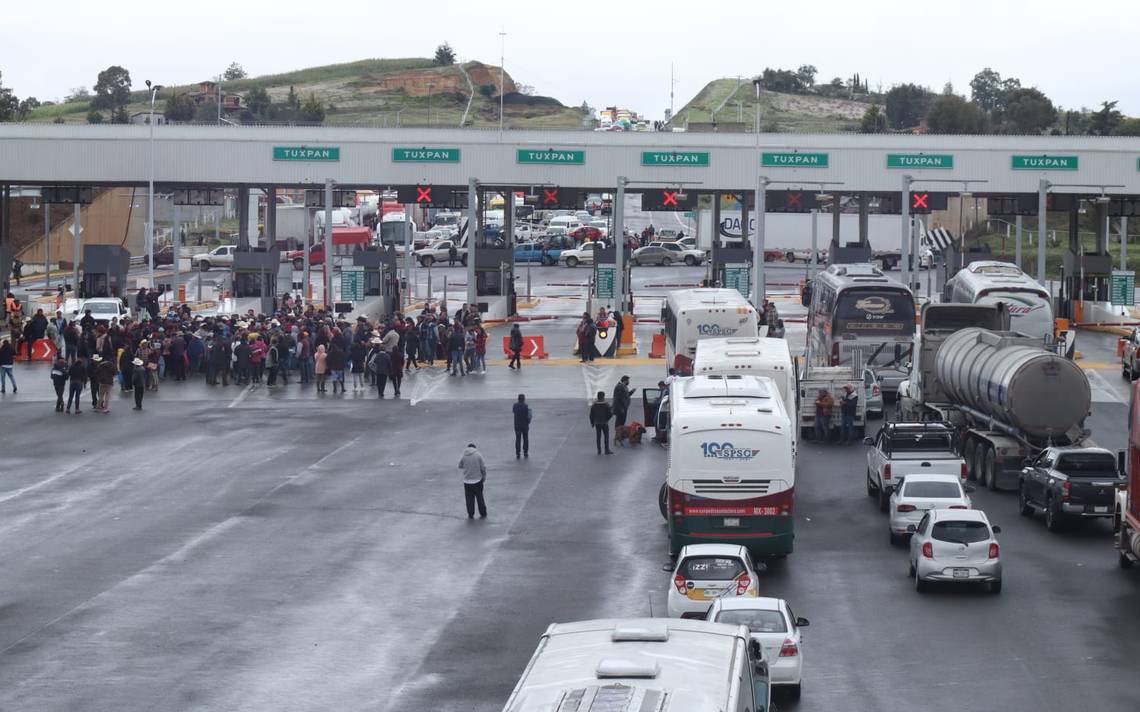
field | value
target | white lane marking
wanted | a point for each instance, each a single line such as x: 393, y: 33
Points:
x: 1102, y: 392
x: 42, y: 483
x: 425, y: 382
x: 241, y: 396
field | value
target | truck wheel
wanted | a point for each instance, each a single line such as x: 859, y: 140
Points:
x: 204, y: 266
x: 665, y: 261
x: 968, y: 456
x: 1023, y: 504
x: 870, y: 485
x: 298, y: 264
x: 571, y: 261
x: 691, y: 261
x: 1053, y: 516
x: 663, y: 501
x: 884, y: 499
x: 463, y: 260
x: 990, y: 469
x: 790, y: 256
x: 919, y: 584
x: 426, y: 261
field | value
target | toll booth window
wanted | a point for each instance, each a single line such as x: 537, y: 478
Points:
x: 250, y: 284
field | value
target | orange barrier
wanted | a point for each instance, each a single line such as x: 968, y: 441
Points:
x: 182, y: 293
x: 1119, y: 348
x: 42, y: 350
x: 533, y: 347
x: 657, y: 350
x: 626, y: 330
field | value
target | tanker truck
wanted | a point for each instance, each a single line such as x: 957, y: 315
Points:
x: 1007, y: 397
x: 1127, y: 519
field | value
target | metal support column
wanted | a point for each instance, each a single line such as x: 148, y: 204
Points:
x: 472, y: 229
x: 813, y: 258
x: 328, y: 246
x: 409, y: 262
x: 509, y: 240
x: 47, y: 240
x: 270, y: 218
x: 759, y: 284
x: 243, y: 218
x: 744, y: 220
x: 1017, y: 241
x: 1123, y: 242
x: 619, y: 245
x: 716, y: 262
x: 904, y: 204
x: 836, y: 212
x: 77, y: 228
x: 175, y: 244
x: 1042, y: 226
x: 864, y: 220
x: 306, y: 285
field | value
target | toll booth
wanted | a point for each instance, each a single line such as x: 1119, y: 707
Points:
x: 1086, y: 275
x: 840, y: 253
x: 604, y: 283
x: 105, y: 270
x: 379, y: 270
x: 255, y: 275
x: 494, y: 277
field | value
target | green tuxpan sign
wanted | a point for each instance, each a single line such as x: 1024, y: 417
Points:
x: 306, y: 153
x: 920, y: 160
x: 1044, y: 163
x: 674, y: 158
x: 794, y: 159
x: 556, y: 156
x: 425, y: 154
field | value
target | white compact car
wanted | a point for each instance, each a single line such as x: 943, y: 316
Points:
x: 707, y: 572
x: 955, y: 546
x: 772, y: 624
x: 918, y: 494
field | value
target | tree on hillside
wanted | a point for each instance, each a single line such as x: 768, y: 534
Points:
x: 986, y: 90
x: 292, y: 101
x: 834, y: 88
x: 27, y: 106
x: 1075, y: 123
x: 487, y: 90
x: 1104, y: 121
x: 258, y: 102
x: 113, y: 93
x: 206, y: 113
x: 874, y: 120
x: 78, y: 94
x: 312, y: 111
x: 444, y: 55
x: 233, y: 72
x: 948, y: 88
x: 1127, y: 127
x: 179, y: 108
x: 782, y: 80
x: 906, y: 105
x: 9, y: 104
x: 954, y: 115
x: 806, y: 74
x: 94, y: 117
x: 1027, y: 111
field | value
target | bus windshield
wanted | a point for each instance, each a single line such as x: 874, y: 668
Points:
x: 872, y: 310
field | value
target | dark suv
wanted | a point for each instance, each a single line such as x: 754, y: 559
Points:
x: 1068, y: 483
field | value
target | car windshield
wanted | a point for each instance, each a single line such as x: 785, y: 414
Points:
x: 932, y: 490
x: 757, y: 621
x: 911, y: 442
x: 1084, y: 464
x: 711, y: 568
x: 101, y: 308
x: 961, y: 532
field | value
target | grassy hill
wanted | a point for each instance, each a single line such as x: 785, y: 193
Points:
x: 382, y: 92
x: 735, y: 100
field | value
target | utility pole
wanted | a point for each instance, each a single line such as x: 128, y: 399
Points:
x: 502, y: 73
x: 47, y: 240
x: 328, y: 245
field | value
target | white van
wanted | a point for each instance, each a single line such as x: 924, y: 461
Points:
x: 640, y: 664
x: 752, y: 356
x: 566, y: 222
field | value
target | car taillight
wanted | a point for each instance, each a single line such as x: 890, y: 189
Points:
x: 789, y: 649
x: 1121, y: 485
x: 957, y: 506
x: 681, y: 584
x: 962, y: 470
x: 994, y: 550
x: 835, y: 354
x: 1065, y: 487
x: 742, y: 584
x: 928, y: 550
x: 887, y: 471
x: 905, y: 508
x: 875, y: 390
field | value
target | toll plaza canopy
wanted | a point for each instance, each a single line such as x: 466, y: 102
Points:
x: 44, y: 154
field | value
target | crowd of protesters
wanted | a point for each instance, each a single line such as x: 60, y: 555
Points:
x: 297, y: 343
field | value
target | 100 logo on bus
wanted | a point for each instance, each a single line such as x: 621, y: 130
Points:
x: 715, y: 330
x: 726, y: 451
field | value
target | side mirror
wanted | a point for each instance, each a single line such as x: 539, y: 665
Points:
x: 997, y: 529
x: 868, y: 441
x: 801, y: 622
x: 911, y: 529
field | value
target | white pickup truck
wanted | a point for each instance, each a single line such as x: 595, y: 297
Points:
x: 901, y: 449
x: 222, y: 256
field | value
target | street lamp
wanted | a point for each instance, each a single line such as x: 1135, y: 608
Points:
x: 756, y: 83
x: 153, y: 89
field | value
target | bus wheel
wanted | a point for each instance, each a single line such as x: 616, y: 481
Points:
x: 663, y: 501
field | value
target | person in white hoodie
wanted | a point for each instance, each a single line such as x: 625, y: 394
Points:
x: 474, y: 472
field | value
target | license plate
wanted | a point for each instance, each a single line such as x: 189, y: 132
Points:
x: 961, y: 573
x: 732, y: 521
x: 706, y: 594
x: 1100, y: 510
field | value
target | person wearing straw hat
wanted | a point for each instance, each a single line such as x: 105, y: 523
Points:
x: 138, y: 380
x: 105, y: 377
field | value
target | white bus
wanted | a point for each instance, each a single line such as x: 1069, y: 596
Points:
x: 644, y: 665
x: 752, y: 356
x: 1030, y: 305
x: 731, y: 474
x: 690, y: 315
x: 856, y: 313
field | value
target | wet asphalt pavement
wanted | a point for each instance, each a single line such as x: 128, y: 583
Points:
x: 244, y: 549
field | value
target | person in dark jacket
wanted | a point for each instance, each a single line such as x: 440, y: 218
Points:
x: 77, y: 374
x: 93, y: 380
x: 515, y: 346
x: 848, y: 406
x: 138, y: 381
x: 220, y: 355
x: 452, y: 254
x: 357, y: 356
x: 622, y: 396
x: 105, y: 377
x: 397, y: 372
x: 380, y: 364
x: 59, y: 380
x: 600, y: 414
x: 523, y: 415
x: 335, y: 361
x: 241, y: 357
x: 455, y: 343
x: 7, y: 360
x: 412, y: 345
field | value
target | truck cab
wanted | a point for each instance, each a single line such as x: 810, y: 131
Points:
x: 1070, y: 483
x: 901, y: 449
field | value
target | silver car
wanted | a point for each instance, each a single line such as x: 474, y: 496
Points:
x: 955, y: 546
x: 917, y: 494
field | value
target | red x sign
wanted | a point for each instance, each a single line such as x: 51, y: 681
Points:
x: 920, y: 201
x: 550, y: 196
x: 669, y: 197
x: 795, y: 200
x: 423, y: 194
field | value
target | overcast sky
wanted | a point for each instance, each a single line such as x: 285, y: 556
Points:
x: 603, y: 52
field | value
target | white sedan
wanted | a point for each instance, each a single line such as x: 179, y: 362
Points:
x: 583, y: 254
x: 709, y: 572
x: 773, y: 625
x: 918, y: 494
